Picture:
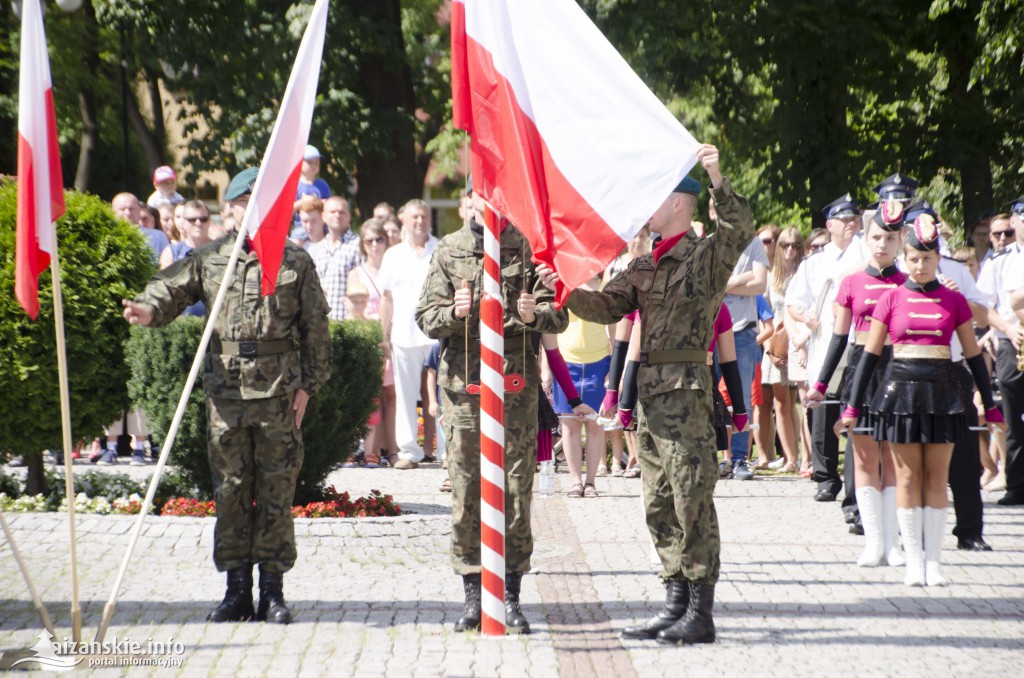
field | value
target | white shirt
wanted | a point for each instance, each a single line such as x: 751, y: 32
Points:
x: 743, y: 308
x: 995, y: 280
x: 403, y: 273
x: 817, y: 276
x: 960, y: 275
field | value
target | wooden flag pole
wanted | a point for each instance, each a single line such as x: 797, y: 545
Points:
x: 172, y: 432
x: 36, y: 600
x: 65, y: 425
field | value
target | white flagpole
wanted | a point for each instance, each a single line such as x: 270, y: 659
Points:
x: 36, y: 600
x: 65, y: 425
x: 172, y: 432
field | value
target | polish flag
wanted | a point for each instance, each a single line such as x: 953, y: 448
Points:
x: 268, y: 217
x: 40, y: 185
x: 566, y: 140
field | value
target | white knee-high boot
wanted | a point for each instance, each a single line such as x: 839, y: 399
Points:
x: 891, y: 528
x: 934, y: 528
x: 869, y: 501
x: 911, y: 529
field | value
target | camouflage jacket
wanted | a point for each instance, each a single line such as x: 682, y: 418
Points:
x: 458, y: 258
x: 678, y: 297
x: 296, y: 312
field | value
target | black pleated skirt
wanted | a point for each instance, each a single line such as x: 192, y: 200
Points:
x: 920, y: 401
x: 866, y: 421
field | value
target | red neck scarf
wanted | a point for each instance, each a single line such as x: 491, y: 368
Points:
x: 666, y: 244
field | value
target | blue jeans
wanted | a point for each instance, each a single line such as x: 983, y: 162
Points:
x: 746, y: 359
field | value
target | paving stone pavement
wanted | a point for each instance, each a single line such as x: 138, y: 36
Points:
x: 378, y: 597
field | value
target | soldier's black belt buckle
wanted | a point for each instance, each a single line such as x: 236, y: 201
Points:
x: 247, y: 349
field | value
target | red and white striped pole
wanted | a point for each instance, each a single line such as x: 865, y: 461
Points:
x: 492, y: 434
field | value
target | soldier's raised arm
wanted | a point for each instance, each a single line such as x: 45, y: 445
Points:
x: 172, y: 290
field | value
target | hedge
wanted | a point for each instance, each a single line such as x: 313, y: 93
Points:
x: 335, y: 420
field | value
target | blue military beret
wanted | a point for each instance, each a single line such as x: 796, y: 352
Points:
x: 688, y: 185
x: 1016, y: 206
x: 242, y: 183
x: 844, y: 206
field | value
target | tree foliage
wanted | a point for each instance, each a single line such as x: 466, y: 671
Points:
x: 102, y: 260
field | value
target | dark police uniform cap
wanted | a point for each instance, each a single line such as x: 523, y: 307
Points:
x: 917, y: 209
x: 898, y: 184
x: 844, y: 206
x: 1016, y: 206
x: 242, y: 183
x: 688, y: 185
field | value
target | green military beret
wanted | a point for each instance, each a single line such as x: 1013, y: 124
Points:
x: 688, y: 185
x: 242, y: 183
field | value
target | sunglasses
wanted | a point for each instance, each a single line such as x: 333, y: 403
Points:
x: 767, y: 241
x: 815, y: 248
x: 201, y: 220
x: 373, y: 241
x: 789, y: 245
x: 999, y: 235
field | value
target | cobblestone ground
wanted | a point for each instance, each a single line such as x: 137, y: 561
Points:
x: 377, y: 597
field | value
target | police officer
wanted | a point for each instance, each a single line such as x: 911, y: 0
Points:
x: 995, y: 280
x: 257, y: 388
x: 809, y: 298
x: 678, y: 289
x: 448, y: 311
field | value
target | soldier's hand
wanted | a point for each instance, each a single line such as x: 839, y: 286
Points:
x: 136, y: 314
x: 299, y: 406
x: 547, y: 276
x: 527, y: 308
x: 707, y: 156
x: 463, y: 300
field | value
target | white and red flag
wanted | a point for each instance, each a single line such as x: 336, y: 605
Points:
x: 566, y: 140
x: 269, y: 215
x: 40, y: 185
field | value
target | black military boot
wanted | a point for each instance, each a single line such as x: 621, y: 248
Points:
x: 515, y: 622
x: 697, y: 626
x: 677, y: 597
x: 470, y: 619
x: 272, y: 607
x: 237, y: 603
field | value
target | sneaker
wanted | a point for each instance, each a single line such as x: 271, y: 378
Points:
x: 725, y: 470
x: 404, y: 465
x: 777, y: 464
x: 740, y: 471
x: 108, y: 458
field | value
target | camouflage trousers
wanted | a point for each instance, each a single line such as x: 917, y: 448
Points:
x: 255, y: 456
x: 462, y: 433
x: 679, y: 467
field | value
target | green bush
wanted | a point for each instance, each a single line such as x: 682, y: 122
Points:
x: 335, y: 419
x: 102, y: 260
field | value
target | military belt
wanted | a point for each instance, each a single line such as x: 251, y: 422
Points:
x: 252, y: 348
x: 676, y: 355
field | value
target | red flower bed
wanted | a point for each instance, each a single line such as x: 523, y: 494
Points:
x: 336, y: 506
x: 181, y: 506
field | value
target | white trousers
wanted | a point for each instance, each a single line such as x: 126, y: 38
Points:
x: 407, y: 363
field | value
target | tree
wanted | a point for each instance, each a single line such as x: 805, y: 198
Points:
x: 102, y: 261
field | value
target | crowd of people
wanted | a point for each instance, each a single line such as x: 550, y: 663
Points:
x: 858, y: 329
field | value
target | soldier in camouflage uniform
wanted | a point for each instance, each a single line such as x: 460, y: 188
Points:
x: 678, y: 289
x: 257, y: 387
x: 447, y: 312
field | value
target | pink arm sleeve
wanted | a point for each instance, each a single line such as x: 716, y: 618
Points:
x: 560, y: 372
